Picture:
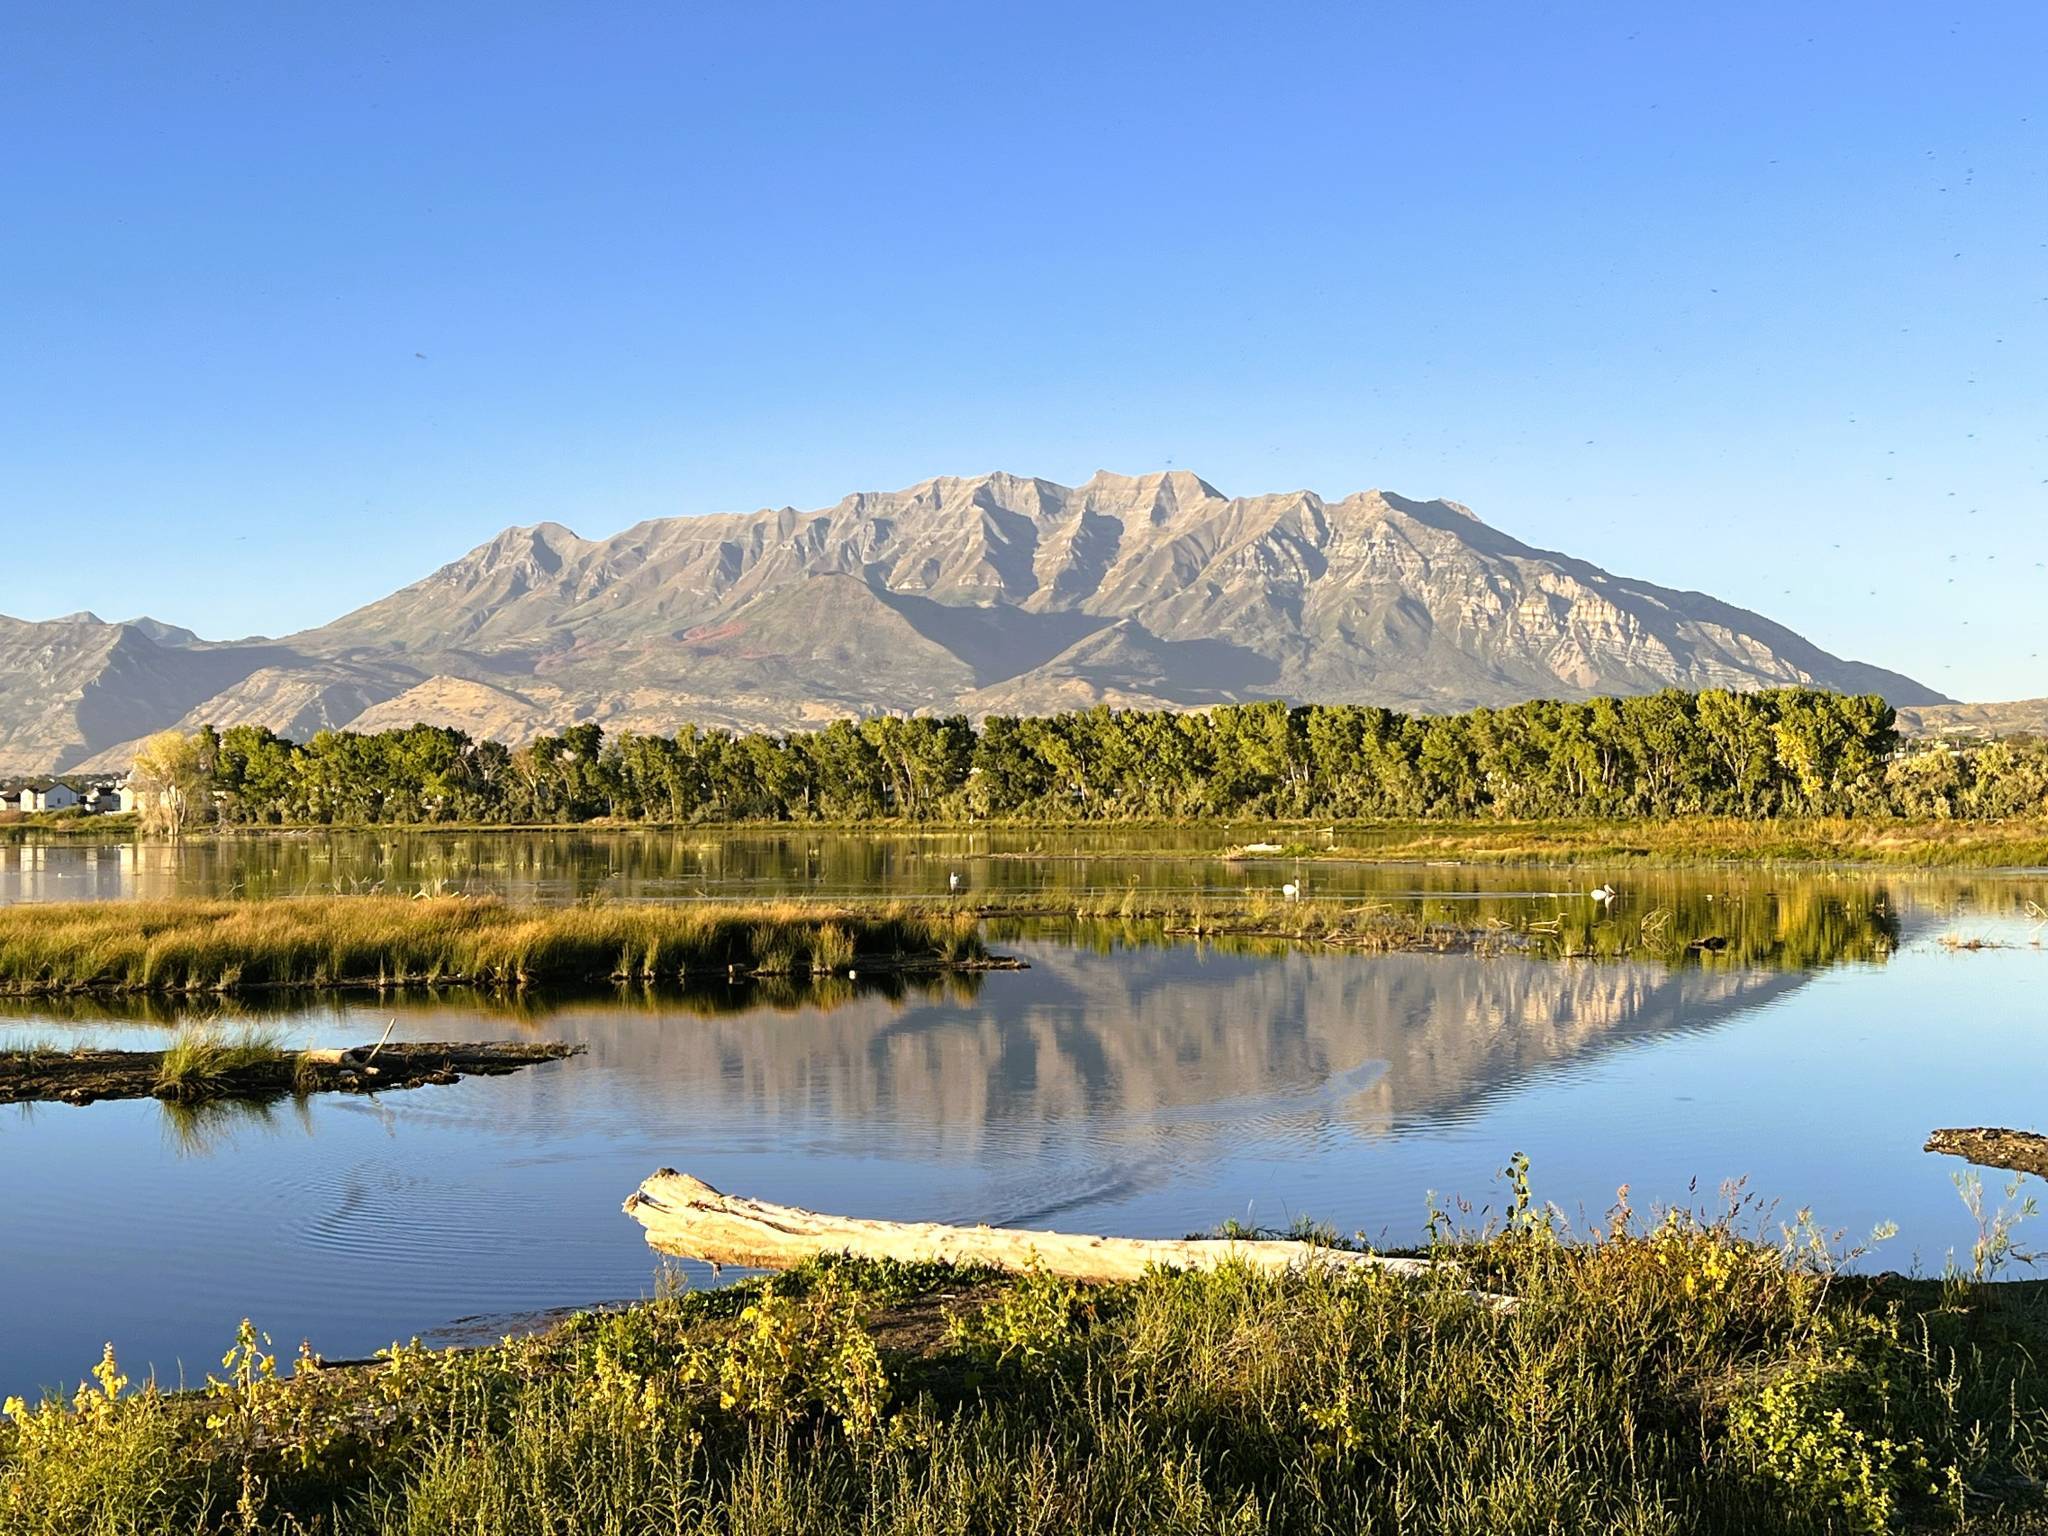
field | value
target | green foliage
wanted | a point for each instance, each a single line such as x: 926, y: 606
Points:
x: 1826, y: 1428
x: 800, y: 1354
x: 1779, y: 753
x: 201, y: 1054
x: 101, y: 1463
x: 1035, y: 1323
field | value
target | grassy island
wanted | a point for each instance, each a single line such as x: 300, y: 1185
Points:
x: 204, y: 1064
x: 1674, y: 1378
x: 381, y: 941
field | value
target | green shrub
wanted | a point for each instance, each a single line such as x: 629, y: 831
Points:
x: 796, y: 1354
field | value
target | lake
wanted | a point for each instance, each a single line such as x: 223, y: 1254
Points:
x: 1125, y: 1082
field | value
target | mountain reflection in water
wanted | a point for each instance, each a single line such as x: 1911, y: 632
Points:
x: 1125, y: 1082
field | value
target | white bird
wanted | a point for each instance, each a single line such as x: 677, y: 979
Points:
x: 953, y: 882
x: 1604, y: 893
x: 1290, y: 890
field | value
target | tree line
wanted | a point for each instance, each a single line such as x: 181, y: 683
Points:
x: 1763, y: 754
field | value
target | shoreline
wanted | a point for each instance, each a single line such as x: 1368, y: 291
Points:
x: 1982, y: 847
x: 1696, y: 1356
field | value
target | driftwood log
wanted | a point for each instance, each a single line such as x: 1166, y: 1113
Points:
x: 1990, y: 1147
x: 687, y: 1217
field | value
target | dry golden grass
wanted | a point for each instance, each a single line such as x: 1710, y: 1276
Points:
x: 225, y: 946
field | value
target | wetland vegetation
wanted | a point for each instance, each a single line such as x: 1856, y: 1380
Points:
x: 223, y: 947
x: 1686, y: 840
x: 387, y: 941
x: 1671, y: 1375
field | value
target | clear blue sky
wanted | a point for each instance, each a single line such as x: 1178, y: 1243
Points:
x: 1750, y: 298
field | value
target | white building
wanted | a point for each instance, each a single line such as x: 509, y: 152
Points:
x: 47, y: 796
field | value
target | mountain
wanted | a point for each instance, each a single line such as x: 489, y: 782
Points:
x: 993, y: 594
x: 71, y: 688
x: 2020, y: 717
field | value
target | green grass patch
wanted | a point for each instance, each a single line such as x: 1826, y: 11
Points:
x: 201, y: 1055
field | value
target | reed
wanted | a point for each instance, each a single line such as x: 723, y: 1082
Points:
x: 370, y: 941
x: 202, y: 1055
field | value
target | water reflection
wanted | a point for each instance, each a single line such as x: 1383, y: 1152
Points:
x: 466, y: 1007
x: 1063, y: 866
x: 1801, y: 918
x: 1126, y: 1081
x: 1155, y: 1040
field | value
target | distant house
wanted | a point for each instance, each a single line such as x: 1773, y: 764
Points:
x: 103, y: 799
x: 46, y: 795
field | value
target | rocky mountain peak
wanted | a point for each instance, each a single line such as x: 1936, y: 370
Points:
x: 997, y: 592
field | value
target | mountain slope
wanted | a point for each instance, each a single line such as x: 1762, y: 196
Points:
x: 2019, y: 717
x: 1374, y: 597
x: 73, y: 687
x: 985, y: 594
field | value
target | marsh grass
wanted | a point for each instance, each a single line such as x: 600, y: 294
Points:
x: 34, y: 1046
x: 1661, y: 1379
x: 228, y: 946
x: 201, y: 1056
x: 1677, y: 841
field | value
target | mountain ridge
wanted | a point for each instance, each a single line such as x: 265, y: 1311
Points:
x: 990, y: 593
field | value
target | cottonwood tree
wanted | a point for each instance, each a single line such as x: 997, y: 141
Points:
x: 169, y: 781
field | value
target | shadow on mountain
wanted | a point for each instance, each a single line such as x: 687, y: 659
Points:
x: 1127, y: 658
x: 997, y: 642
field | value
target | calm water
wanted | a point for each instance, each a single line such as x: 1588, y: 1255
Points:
x: 1122, y: 1083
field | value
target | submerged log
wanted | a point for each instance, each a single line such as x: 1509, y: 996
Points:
x: 1992, y: 1147
x: 687, y: 1217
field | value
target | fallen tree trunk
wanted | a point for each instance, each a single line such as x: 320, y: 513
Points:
x: 1991, y: 1147
x: 687, y: 1217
